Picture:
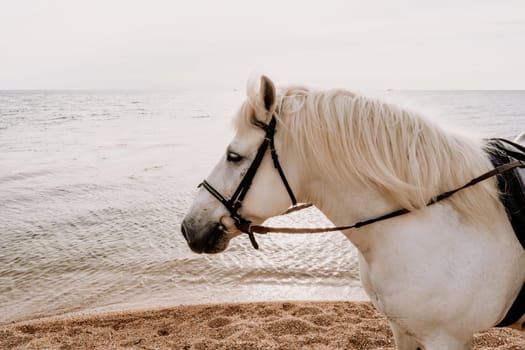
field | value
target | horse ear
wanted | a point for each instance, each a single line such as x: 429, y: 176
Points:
x: 267, y: 93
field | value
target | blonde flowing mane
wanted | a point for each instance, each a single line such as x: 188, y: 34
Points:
x: 340, y: 135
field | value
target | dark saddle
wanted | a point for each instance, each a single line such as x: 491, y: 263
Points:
x: 511, y: 185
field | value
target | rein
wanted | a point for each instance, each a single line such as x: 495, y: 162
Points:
x: 244, y: 225
x: 266, y: 229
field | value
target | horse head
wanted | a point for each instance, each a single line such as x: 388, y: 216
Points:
x: 213, y: 218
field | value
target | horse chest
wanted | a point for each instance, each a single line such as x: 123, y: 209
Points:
x: 433, y: 269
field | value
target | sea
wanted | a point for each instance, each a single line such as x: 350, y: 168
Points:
x: 94, y: 186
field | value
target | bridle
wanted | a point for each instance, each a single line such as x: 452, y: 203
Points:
x: 235, y: 202
x: 244, y: 225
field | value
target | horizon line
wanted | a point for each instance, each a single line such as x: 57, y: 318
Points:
x: 237, y: 89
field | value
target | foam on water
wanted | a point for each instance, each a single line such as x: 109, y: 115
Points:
x: 94, y: 185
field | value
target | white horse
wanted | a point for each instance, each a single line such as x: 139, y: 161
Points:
x: 440, y: 273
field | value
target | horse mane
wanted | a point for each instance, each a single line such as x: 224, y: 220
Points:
x: 409, y: 158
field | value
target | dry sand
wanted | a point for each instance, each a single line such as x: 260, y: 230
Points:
x: 277, y: 325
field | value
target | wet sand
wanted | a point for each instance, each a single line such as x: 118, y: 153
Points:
x: 275, y: 325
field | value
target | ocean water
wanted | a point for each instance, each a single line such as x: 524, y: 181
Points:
x: 94, y: 185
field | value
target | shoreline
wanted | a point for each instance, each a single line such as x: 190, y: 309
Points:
x: 256, y: 325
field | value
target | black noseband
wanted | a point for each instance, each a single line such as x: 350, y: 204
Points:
x: 234, y: 203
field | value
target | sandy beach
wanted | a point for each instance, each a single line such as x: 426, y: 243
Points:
x: 276, y: 325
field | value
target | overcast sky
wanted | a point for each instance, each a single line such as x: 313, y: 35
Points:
x: 171, y: 44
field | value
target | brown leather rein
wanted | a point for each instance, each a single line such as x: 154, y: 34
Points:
x: 249, y: 228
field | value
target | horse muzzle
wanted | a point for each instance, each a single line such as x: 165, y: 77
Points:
x: 210, y: 238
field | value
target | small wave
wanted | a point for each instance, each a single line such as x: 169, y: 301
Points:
x: 201, y: 116
x: 156, y: 167
x: 114, y: 146
x: 167, y: 145
x: 23, y: 176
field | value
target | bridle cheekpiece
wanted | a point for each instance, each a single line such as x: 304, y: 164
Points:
x: 235, y: 202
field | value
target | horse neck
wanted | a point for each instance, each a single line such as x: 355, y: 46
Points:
x: 347, y: 203
x: 350, y: 200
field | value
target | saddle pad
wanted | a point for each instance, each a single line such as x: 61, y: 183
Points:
x: 512, y: 194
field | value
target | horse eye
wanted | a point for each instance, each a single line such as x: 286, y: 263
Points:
x: 233, y: 157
